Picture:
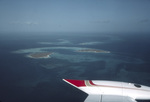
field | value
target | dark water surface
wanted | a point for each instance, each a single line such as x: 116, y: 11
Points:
x: 28, y: 80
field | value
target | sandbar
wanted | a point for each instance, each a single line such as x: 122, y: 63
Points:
x: 40, y: 55
x: 93, y: 51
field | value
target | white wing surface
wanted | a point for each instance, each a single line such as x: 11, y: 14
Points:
x: 108, y: 98
x: 93, y: 98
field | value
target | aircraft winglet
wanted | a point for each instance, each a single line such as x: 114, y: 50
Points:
x: 76, y: 83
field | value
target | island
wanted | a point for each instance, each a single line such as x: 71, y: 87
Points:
x: 93, y: 51
x: 40, y: 55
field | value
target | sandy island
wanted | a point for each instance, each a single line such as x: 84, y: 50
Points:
x: 93, y: 51
x: 40, y: 55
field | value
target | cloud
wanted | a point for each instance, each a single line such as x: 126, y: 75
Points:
x: 25, y: 23
x: 144, y: 21
x: 101, y: 21
x: 30, y: 23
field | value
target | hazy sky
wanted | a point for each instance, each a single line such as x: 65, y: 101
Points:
x: 75, y: 15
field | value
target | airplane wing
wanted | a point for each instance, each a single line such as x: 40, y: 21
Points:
x: 98, y: 97
x: 108, y: 98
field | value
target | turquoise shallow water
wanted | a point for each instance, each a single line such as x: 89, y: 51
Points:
x: 34, y: 80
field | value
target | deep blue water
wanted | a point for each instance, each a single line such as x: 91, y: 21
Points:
x: 24, y: 80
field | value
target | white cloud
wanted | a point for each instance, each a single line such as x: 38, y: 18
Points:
x: 102, y: 21
x: 31, y: 23
x: 25, y: 22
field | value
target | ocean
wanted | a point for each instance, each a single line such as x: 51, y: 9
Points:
x: 24, y: 79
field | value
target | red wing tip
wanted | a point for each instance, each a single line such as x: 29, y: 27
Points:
x: 76, y: 83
